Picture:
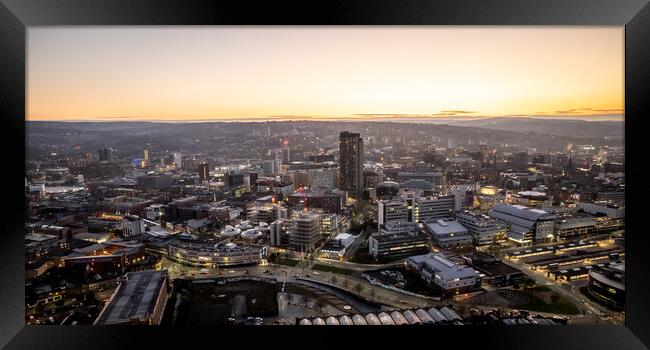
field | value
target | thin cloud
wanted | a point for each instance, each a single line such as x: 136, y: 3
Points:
x: 459, y: 112
x: 588, y: 111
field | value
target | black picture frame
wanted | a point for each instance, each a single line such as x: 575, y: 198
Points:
x: 17, y: 15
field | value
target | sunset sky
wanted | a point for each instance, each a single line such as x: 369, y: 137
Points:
x: 217, y: 73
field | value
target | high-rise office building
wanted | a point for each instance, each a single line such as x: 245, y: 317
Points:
x: 322, y: 178
x: 235, y: 179
x: 287, y: 153
x: 268, y: 167
x: 276, y: 233
x: 145, y: 154
x: 204, y: 171
x: 105, y: 154
x: 306, y: 232
x: 484, y: 155
x: 351, y: 163
x: 178, y: 159
x: 277, y: 159
x: 520, y: 161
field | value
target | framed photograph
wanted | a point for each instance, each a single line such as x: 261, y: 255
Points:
x: 222, y: 172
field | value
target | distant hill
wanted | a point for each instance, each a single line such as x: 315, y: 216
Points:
x: 557, y: 127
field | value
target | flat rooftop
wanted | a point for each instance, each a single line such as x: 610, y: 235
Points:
x: 551, y: 248
x: 442, y: 227
x: 496, y: 269
x: 39, y: 237
x: 135, y: 298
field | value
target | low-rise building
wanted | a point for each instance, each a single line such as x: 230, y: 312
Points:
x: 609, y: 217
x: 132, y: 226
x: 140, y: 298
x: 398, y: 240
x: 525, y: 225
x: 208, y: 253
x: 329, y: 201
x: 480, y: 226
x: 449, y: 233
x: 435, y: 268
x: 265, y: 212
x: 335, y: 248
x: 99, y: 237
x: 415, y: 209
x: 573, y: 226
x: 494, y: 271
x: 154, y: 211
x: 607, y: 286
x: 201, y: 225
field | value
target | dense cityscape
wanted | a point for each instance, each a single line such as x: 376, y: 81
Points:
x: 502, y: 221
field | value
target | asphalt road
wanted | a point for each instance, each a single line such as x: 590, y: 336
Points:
x: 368, y: 291
x: 581, y: 302
x: 282, y: 273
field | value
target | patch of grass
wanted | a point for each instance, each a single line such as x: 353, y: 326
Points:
x: 561, y: 306
x: 541, y: 289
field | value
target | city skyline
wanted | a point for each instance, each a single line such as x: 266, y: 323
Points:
x: 338, y: 73
x: 257, y: 224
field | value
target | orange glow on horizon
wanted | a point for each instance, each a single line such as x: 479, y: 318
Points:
x: 323, y: 73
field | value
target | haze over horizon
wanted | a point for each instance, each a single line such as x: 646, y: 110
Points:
x: 317, y: 73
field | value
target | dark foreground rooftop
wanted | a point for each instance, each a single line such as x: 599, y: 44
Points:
x: 135, y: 298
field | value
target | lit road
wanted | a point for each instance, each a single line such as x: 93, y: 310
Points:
x: 282, y: 273
x: 357, y: 266
x: 580, y: 302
